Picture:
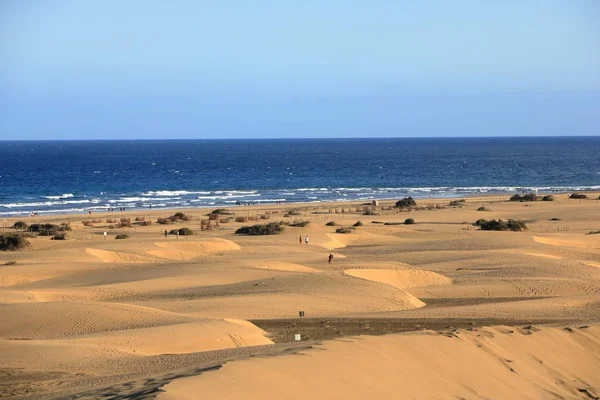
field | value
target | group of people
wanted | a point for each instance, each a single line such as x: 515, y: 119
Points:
x: 34, y: 213
x: 305, y: 240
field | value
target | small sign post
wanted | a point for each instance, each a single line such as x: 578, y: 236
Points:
x: 297, y: 337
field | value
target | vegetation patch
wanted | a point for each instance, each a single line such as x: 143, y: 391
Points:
x: 548, y: 197
x: 483, y: 209
x: 220, y: 211
x: 299, y: 224
x: 593, y: 233
x: 406, y: 202
x: 163, y: 221
x: 578, y: 196
x: 20, y: 225
x: 524, y: 197
x: 331, y: 223
x: 409, y: 221
x: 499, y: 225
x: 122, y: 236
x: 293, y: 212
x: 358, y: 223
x: 370, y: 212
x: 182, y: 232
x: 49, y: 229
x: 457, y: 203
x: 11, y: 262
x: 344, y: 229
x: 13, y: 241
x: 272, y: 228
x: 60, y: 236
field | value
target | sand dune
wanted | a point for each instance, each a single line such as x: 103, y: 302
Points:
x: 203, y: 335
x: 543, y: 255
x: 500, y: 362
x: 284, y: 266
x: 581, y: 242
x: 401, y: 279
x: 187, y: 250
x: 108, y: 256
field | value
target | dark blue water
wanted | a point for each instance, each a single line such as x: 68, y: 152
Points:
x: 76, y: 176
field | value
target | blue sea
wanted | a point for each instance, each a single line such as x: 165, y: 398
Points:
x: 77, y: 176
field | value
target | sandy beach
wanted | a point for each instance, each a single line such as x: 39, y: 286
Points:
x: 434, y: 309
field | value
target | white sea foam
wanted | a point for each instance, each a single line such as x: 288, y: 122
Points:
x: 62, y: 196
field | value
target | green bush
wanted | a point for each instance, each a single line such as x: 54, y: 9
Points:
x: 406, y: 202
x: 525, y: 197
x: 331, y: 223
x: 272, y: 228
x: 499, y: 225
x: 578, y: 196
x: 60, y: 236
x: 299, y: 224
x: 343, y: 229
x: 122, y: 236
x: 548, y: 197
x: 13, y: 241
x: 20, y: 225
x: 358, y: 223
x: 409, y: 221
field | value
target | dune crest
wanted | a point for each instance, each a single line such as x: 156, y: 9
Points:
x: 184, y: 250
x: 285, y: 266
x: 401, y: 279
x: 583, y: 243
x: 109, y: 256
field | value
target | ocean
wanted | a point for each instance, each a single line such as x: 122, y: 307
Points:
x: 77, y: 176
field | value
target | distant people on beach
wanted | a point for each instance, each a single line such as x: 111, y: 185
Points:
x: 300, y: 239
x: 34, y: 213
x: 166, y: 233
x: 330, y: 258
x: 306, y: 240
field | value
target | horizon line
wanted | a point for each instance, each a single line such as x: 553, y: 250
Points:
x: 301, y: 138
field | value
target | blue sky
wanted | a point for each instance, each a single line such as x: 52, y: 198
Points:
x: 193, y: 69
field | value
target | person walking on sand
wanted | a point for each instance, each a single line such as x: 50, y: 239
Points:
x: 330, y: 258
x: 306, y: 240
x: 300, y: 239
x: 166, y: 233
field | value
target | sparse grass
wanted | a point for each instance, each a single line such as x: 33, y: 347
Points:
x: 358, y: 223
x: 593, y: 232
x: 111, y: 221
x: 548, y: 197
x: 483, y: 209
x: 370, y: 212
x: 145, y: 223
x: 299, y: 224
x: 13, y: 241
x: 499, y: 225
x: 344, y: 229
x: 331, y: 223
x: 406, y: 202
x: 60, y: 236
x: 163, y: 221
x: 182, y: 232
x: 122, y: 236
x: 140, y: 219
x: 11, y: 262
x: 409, y: 221
x: 272, y: 228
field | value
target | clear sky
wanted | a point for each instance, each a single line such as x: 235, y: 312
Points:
x: 112, y: 69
